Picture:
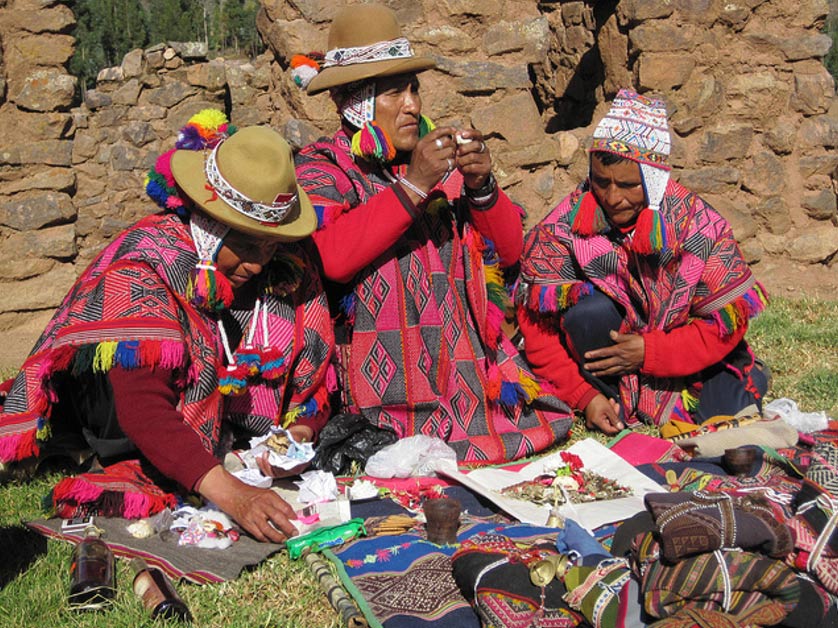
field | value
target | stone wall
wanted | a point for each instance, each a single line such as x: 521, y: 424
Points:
x: 753, y: 110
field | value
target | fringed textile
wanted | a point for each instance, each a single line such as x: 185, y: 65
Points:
x: 700, y: 274
x: 129, y: 309
x: 425, y: 353
x: 119, y: 490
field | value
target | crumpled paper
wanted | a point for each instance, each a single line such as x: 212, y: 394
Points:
x: 317, y: 486
x: 242, y: 463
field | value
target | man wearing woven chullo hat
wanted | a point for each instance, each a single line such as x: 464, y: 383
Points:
x: 415, y: 235
x: 634, y: 297
x: 197, y: 328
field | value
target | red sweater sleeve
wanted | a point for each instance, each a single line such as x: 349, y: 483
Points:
x: 356, y: 238
x: 501, y: 223
x: 687, y: 349
x: 550, y: 361
x: 146, y: 408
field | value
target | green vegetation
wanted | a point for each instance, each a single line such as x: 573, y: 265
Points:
x: 107, y: 29
x: 796, y: 339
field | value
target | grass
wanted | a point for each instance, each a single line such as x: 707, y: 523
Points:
x: 797, y: 339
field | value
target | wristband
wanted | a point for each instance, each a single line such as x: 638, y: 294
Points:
x: 413, y: 188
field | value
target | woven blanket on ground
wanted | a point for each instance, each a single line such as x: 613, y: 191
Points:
x: 404, y: 580
x: 760, y: 590
x: 192, y: 563
x: 636, y: 449
x: 493, y: 573
x: 770, y: 478
x: 815, y: 524
x: 701, y: 522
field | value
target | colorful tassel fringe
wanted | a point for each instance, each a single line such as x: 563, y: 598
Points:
x: 209, y: 289
x: 425, y: 126
x: 736, y: 313
x: 372, y: 144
x: 649, y: 233
x: 587, y: 218
x: 554, y: 298
x: 232, y: 379
x: 511, y: 393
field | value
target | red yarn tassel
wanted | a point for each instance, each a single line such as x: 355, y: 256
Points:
x: 589, y: 219
x: 649, y: 235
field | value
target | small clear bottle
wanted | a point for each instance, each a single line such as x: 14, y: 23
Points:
x: 157, y: 592
x: 92, y: 572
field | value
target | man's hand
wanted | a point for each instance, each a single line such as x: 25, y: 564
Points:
x: 603, y: 414
x: 301, y: 434
x: 473, y: 158
x: 623, y: 357
x: 260, y: 511
x: 434, y: 155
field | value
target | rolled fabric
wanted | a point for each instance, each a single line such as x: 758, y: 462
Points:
x: 699, y: 522
x: 762, y: 591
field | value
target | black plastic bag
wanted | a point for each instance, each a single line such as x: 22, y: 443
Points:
x: 347, y: 438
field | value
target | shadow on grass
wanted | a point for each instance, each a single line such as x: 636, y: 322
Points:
x: 21, y: 547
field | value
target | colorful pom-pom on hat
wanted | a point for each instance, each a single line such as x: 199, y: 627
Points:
x: 304, y: 68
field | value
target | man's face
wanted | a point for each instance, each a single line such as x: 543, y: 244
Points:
x: 397, y: 109
x: 242, y: 257
x: 619, y: 189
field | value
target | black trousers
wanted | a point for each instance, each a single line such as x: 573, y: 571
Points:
x: 586, y: 327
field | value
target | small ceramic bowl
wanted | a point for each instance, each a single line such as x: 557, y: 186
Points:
x: 739, y: 461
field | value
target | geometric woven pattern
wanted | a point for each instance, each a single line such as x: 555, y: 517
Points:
x: 129, y: 308
x: 419, y: 357
x: 702, y: 273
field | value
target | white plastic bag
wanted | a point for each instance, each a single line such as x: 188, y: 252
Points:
x: 806, y: 422
x: 413, y: 456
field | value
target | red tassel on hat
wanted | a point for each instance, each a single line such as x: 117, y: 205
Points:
x: 588, y: 219
x: 649, y: 233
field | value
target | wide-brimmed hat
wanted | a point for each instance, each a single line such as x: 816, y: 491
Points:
x: 365, y: 41
x: 247, y: 182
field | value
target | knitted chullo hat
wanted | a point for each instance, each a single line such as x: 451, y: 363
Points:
x: 635, y: 128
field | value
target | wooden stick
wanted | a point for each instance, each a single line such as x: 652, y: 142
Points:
x: 335, y: 593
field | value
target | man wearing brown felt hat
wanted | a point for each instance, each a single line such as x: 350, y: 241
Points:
x: 415, y: 236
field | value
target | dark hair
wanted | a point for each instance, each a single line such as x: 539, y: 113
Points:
x: 608, y: 159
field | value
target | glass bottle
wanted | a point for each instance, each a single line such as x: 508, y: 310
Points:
x: 92, y: 573
x: 157, y: 592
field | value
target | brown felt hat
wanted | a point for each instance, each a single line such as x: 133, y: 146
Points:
x: 248, y: 183
x: 358, y: 27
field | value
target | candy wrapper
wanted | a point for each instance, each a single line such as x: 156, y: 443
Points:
x: 204, y: 527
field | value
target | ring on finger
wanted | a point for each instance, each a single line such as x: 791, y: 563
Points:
x: 450, y: 164
x: 482, y: 147
x: 439, y: 143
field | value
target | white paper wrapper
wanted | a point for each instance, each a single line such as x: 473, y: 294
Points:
x: 317, y: 486
x: 297, y: 454
x: 590, y: 515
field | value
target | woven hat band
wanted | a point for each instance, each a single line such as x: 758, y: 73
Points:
x: 266, y: 213
x: 379, y: 51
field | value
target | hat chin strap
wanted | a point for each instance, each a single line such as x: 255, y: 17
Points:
x: 207, y: 287
x: 359, y: 107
